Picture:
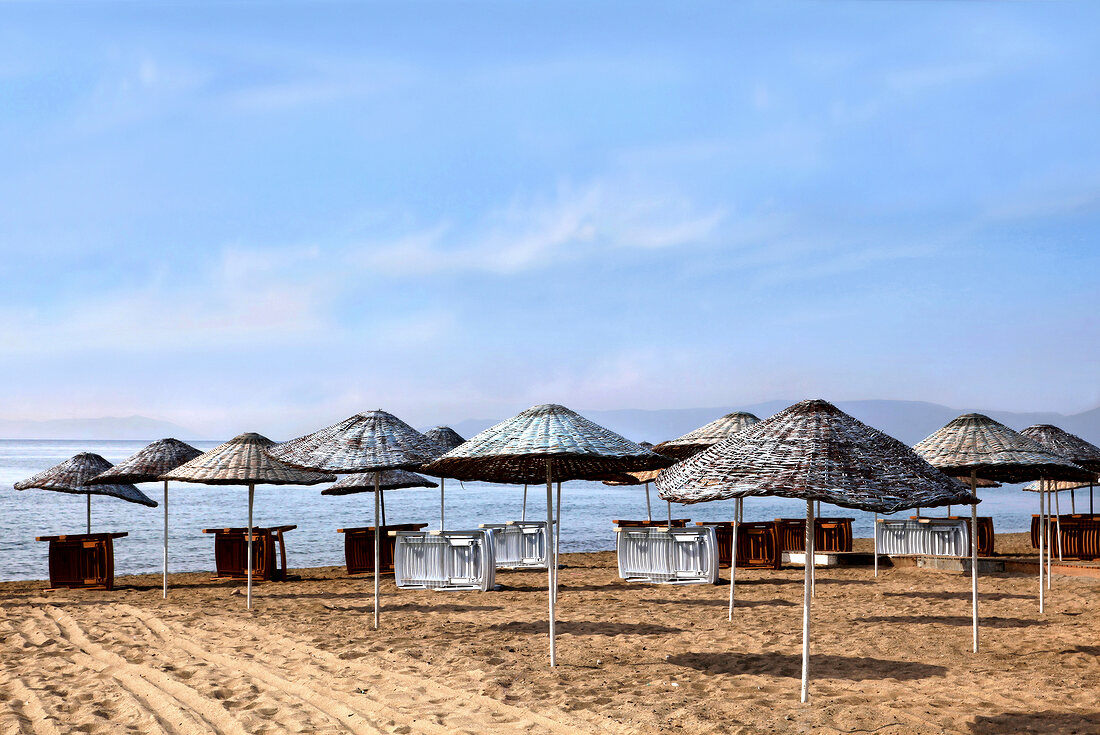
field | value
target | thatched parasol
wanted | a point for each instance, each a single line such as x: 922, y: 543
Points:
x: 74, y: 475
x: 243, y: 461
x: 373, y: 441
x: 363, y: 482
x: 974, y: 445
x: 706, y: 436
x: 548, y: 442
x: 812, y: 451
x: 447, y: 438
x: 1072, y: 447
x: 147, y: 465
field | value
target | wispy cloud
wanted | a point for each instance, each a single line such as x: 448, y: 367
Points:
x: 528, y: 234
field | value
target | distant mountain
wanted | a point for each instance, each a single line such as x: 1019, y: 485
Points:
x: 107, y: 427
x: 907, y: 421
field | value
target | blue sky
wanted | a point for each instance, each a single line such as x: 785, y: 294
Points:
x: 271, y: 215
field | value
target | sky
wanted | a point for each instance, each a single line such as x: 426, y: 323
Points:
x: 269, y: 216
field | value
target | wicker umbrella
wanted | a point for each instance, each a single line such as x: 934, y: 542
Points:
x: 974, y: 445
x: 243, y: 461
x: 1072, y: 447
x: 74, y: 475
x: 703, y: 438
x: 363, y: 482
x: 706, y: 436
x: 374, y: 441
x: 812, y: 451
x: 447, y: 438
x: 147, y: 465
x: 548, y: 442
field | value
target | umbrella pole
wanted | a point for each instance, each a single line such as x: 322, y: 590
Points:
x: 166, y: 539
x: 378, y: 528
x: 1058, y: 523
x: 1090, y: 499
x: 806, y: 603
x: 974, y: 554
x: 382, y: 499
x: 551, y: 578
x: 523, y: 512
x: 557, y: 538
x: 669, y: 502
x: 89, y: 494
x: 876, y: 543
x: 442, y: 517
x: 251, y: 494
x: 1042, y: 485
x: 733, y: 556
x: 648, y: 509
x: 1050, y: 538
x: 1072, y: 501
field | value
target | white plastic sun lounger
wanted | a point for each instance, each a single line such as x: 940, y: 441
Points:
x: 665, y: 555
x: 519, y: 544
x: 930, y: 536
x: 444, y: 560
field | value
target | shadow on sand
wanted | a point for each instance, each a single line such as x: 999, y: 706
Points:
x: 854, y: 668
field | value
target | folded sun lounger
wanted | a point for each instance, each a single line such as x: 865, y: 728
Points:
x: 519, y: 544
x: 668, y: 555
x: 444, y: 560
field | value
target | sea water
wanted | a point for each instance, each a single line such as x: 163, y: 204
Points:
x: 586, y: 513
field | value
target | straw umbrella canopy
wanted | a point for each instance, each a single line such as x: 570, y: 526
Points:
x: 75, y: 474
x: 1070, y: 446
x: 548, y: 442
x: 974, y: 445
x: 373, y: 441
x: 447, y: 438
x: 812, y: 451
x: 147, y: 465
x: 243, y: 461
x: 363, y: 482
x: 707, y: 435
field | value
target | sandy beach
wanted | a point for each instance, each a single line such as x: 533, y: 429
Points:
x: 889, y: 656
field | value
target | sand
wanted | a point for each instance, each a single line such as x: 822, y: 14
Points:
x: 889, y: 656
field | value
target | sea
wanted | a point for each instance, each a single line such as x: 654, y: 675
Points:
x: 587, y: 511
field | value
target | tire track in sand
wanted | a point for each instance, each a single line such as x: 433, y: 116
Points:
x: 32, y: 711
x: 414, y: 692
x: 337, y: 709
x: 165, y: 698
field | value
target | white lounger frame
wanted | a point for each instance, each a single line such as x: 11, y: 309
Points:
x: 929, y: 536
x: 519, y: 544
x: 444, y: 560
x: 664, y: 555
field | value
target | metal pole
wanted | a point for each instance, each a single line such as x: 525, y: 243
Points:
x: 1072, y: 501
x: 1058, y: 523
x: 648, y: 508
x: 166, y: 539
x: 1050, y: 539
x: 1090, y: 499
x: 382, y: 497
x: 442, y: 515
x: 89, y: 494
x: 974, y: 553
x: 949, y: 511
x: 523, y: 513
x: 551, y: 579
x: 557, y: 539
x: 806, y: 604
x: 379, y: 529
x: 1042, y: 534
x: 669, y: 502
x: 876, y: 543
x: 733, y: 557
x: 251, y: 494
